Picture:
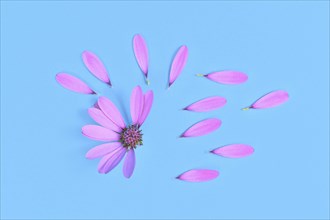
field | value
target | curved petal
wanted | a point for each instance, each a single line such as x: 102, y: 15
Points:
x: 148, y: 100
x: 129, y: 163
x: 271, y: 99
x: 136, y: 104
x: 141, y: 53
x: 178, y: 64
x: 199, y: 175
x: 99, y: 133
x: 105, y: 159
x: 234, y: 150
x: 109, y: 162
x: 202, y: 128
x: 207, y: 104
x: 102, y: 150
x: 73, y: 83
x: 227, y: 77
x: 111, y: 111
x: 95, y: 66
x: 102, y: 119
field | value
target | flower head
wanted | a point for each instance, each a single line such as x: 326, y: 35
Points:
x: 123, y: 139
x: 131, y: 136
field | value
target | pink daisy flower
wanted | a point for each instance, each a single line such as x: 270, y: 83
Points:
x: 122, y: 138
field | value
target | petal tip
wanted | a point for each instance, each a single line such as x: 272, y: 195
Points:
x: 127, y: 176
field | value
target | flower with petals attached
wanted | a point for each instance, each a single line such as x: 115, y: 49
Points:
x: 123, y: 139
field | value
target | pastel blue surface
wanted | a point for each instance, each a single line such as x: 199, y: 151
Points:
x: 280, y: 45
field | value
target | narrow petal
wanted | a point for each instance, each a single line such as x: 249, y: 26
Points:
x: 234, y: 150
x: 95, y: 66
x: 178, y: 64
x: 102, y: 150
x: 109, y: 162
x: 207, y: 104
x: 111, y: 111
x: 136, y: 104
x: 73, y: 83
x: 202, y: 128
x: 107, y: 157
x: 102, y: 119
x: 99, y: 133
x: 141, y: 53
x: 129, y: 163
x: 199, y: 175
x: 227, y: 77
x: 270, y: 100
x: 148, y: 99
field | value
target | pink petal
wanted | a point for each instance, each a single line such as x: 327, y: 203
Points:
x: 110, y: 161
x: 202, y: 128
x: 99, y: 133
x: 234, y: 150
x: 141, y: 53
x: 102, y: 150
x: 103, y: 120
x: 129, y: 163
x: 199, y: 175
x: 73, y: 83
x: 148, y: 99
x: 136, y: 104
x: 95, y: 66
x: 111, y: 111
x: 207, y: 104
x: 227, y: 77
x: 271, y: 100
x: 105, y: 159
x: 178, y: 63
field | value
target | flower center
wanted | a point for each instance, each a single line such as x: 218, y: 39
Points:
x: 131, y: 136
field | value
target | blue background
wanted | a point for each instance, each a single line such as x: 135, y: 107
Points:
x: 280, y: 45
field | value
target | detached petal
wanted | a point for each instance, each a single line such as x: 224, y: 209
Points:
x: 111, y: 111
x: 129, y: 163
x: 227, y: 77
x: 199, y: 175
x: 96, y: 105
x: 234, y: 150
x: 110, y: 161
x: 136, y: 104
x: 270, y: 100
x: 73, y: 83
x: 178, y: 64
x: 202, y: 128
x: 148, y: 99
x: 207, y: 104
x: 141, y: 53
x: 102, y: 150
x: 102, y: 119
x: 95, y: 66
x: 99, y: 133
